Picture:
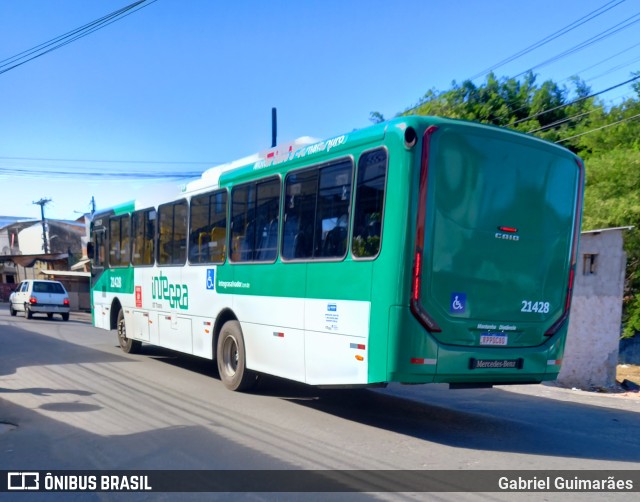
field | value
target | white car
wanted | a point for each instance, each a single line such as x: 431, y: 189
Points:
x: 40, y: 297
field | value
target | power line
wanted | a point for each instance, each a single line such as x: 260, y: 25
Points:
x: 567, y: 119
x: 71, y: 36
x: 172, y: 162
x: 583, y: 45
x: 588, y: 17
x: 43, y: 45
x: 559, y: 122
x: 615, y: 68
x: 97, y: 175
x: 599, y: 128
x: 600, y: 62
x: 535, y: 115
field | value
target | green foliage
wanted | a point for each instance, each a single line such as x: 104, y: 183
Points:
x: 607, y: 137
x: 632, y: 324
x: 376, y: 117
x: 612, y: 199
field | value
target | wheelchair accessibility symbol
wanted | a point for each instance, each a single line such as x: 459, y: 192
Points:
x: 211, y: 278
x: 458, y: 303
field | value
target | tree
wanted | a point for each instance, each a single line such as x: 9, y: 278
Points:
x: 612, y: 199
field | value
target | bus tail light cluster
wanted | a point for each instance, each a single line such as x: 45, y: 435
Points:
x: 33, y: 300
x: 65, y: 302
x: 574, y: 257
x: 416, y: 280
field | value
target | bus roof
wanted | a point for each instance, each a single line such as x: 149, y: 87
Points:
x: 304, y: 148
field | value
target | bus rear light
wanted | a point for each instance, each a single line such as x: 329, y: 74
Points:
x: 417, y: 271
x: 417, y: 309
x: 359, y: 358
x: 359, y: 346
x: 421, y: 360
x: 33, y: 300
x: 574, y: 256
x: 65, y: 302
x: 554, y: 362
x: 572, y: 276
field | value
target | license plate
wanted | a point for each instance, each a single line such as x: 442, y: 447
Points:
x: 493, y: 339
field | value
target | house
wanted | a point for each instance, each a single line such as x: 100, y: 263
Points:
x: 591, y: 350
x: 22, y: 255
x: 9, y: 228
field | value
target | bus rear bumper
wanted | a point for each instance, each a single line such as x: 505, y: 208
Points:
x: 420, y: 358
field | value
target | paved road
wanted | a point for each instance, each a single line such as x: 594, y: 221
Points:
x: 75, y: 401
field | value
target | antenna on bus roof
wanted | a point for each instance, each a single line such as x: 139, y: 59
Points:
x: 274, y: 127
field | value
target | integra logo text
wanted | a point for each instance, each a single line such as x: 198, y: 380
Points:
x: 176, y: 294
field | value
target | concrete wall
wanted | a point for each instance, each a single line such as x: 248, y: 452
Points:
x: 31, y: 240
x: 591, y: 352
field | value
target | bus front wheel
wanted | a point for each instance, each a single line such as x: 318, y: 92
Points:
x: 231, y: 358
x: 126, y: 344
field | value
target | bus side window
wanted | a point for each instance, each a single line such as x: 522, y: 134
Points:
x: 316, y: 213
x: 172, y: 238
x: 301, y: 190
x: 369, y: 204
x: 267, y: 211
x: 208, y: 230
x: 334, y: 198
x: 119, y: 244
x: 99, y: 244
x: 142, y: 237
x: 254, y: 215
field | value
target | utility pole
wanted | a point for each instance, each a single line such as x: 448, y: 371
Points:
x: 274, y: 127
x: 43, y: 202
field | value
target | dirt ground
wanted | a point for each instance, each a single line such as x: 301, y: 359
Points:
x: 628, y: 372
x: 627, y: 382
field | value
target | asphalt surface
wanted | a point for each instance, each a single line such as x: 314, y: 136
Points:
x: 70, y: 399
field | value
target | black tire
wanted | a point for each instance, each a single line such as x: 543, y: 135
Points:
x: 27, y: 312
x: 126, y: 344
x: 65, y: 316
x: 12, y: 311
x: 231, y: 358
x: 50, y: 315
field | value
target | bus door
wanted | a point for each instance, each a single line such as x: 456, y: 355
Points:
x: 97, y: 252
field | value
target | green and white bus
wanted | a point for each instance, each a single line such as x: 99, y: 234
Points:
x: 418, y: 250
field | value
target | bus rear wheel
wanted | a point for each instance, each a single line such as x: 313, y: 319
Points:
x: 126, y: 344
x: 231, y: 357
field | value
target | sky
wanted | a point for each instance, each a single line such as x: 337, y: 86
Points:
x: 179, y: 86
